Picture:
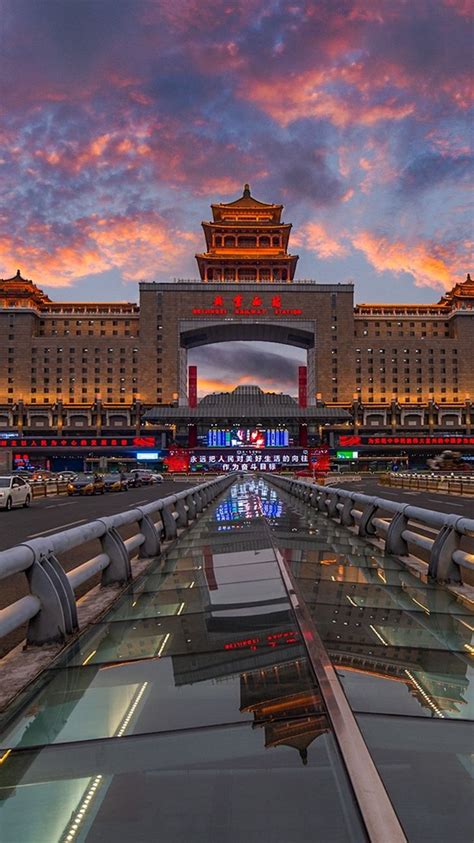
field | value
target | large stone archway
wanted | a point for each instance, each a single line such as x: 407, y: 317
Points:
x: 301, y: 334
x: 176, y: 317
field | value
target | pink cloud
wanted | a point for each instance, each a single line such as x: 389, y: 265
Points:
x: 315, y: 237
x: 430, y: 264
x: 136, y: 246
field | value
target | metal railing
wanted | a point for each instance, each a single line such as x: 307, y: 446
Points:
x: 50, y: 609
x: 405, y: 530
x: 49, y: 487
x: 450, y: 483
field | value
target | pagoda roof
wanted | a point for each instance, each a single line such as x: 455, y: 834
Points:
x: 245, y: 201
x: 462, y: 289
x: 18, y: 286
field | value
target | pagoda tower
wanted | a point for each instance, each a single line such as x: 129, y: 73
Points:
x: 246, y: 241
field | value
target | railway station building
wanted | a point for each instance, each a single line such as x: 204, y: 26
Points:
x: 381, y: 379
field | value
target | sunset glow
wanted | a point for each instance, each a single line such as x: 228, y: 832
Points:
x: 123, y: 121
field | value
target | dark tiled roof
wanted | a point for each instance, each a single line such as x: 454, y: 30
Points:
x: 247, y: 402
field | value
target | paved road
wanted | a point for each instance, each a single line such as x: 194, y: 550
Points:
x: 47, y: 515
x: 454, y: 504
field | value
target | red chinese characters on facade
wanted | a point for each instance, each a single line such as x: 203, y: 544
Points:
x: 350, y: 440
x: 241, y: 305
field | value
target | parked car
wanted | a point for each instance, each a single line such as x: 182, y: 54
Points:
x: 143, y: 475
x: 86, y: 484
x: 133, y: 480
x: 43, y: 476
x: 14, y: 491
x: 25, y: 475
x: 66, y: 476
x: 115, y: 482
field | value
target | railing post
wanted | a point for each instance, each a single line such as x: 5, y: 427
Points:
x: 369, y: 511
x: 119, y: 569
x: 151, y: 545
x: 322, y: 501
x: 395, y: 543
x: 332, y: 501
x: 442, y: 567
x: 347, y: 517
x: 182, y: 512
x: 57, y: 616
x: 191, y: 506
x: 197, y: 497
x: 170, y: 527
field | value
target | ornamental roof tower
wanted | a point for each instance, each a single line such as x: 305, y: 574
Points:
x: 22, y: 292
x: 246, y: 241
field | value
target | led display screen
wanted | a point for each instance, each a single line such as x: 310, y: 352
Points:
x: 234, y: 459
x: 248, y: 438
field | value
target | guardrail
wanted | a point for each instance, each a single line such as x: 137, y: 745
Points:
x: 401, y: 527
x: 455, y: 484
x: 51, y: 487
x: 50, y: 609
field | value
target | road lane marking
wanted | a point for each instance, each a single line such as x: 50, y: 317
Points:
x: 446, y: 502
x: 58, y: 505
x: 131, y: 505
x: 56, y: 529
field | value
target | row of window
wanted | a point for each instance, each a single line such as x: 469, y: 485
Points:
x: 246, y: 242
x: 365, y: 333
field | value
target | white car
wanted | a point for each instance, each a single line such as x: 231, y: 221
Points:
x: 157, y: 478
x: 14, y: 491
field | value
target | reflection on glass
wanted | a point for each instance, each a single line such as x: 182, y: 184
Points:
x: 201, y: 668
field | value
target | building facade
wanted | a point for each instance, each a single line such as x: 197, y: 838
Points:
x: 97, y: 367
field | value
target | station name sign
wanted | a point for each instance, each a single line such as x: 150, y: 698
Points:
x: 252, y: 305
x: 406, y: 440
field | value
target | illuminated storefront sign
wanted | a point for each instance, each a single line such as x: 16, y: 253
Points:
x: 406, y: 440
x: 148, y: 455
x: 347, y: 455
x: 251, y: 305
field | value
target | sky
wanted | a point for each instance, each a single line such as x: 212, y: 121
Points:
x: 122, y: 120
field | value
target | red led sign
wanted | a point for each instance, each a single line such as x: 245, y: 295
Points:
x: 406, y: 440
x: 80, y: 442
x: 350, y: 440
x: 420, y: 440
x: 246, y: 306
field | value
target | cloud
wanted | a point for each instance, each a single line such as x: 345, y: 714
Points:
x: 138, y: 246
x: 315, y: 237
x: 247, y: 363
x: 124, y: 121
x: 430, y: 264
x: 429, y: 169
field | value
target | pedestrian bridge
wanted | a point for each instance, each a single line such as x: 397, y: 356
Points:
x: 272, y: 676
